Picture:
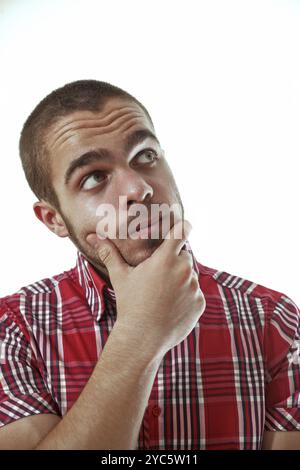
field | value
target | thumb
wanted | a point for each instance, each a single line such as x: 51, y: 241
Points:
x: 111, y: 258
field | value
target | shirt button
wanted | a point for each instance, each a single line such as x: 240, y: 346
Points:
x: 156, y: 410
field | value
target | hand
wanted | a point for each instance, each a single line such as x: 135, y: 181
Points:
x: 159, y: 301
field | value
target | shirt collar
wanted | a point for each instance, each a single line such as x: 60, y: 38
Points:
x: 96, y: 288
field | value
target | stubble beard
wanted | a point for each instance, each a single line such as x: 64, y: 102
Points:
x: 131, y: 256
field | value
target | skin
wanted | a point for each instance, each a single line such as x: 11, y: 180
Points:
x: 137, y: 177
x: 167, y: 319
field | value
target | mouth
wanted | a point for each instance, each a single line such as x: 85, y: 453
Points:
x: 154, y: 229
x: 143, y: 225
x: 147, y: 224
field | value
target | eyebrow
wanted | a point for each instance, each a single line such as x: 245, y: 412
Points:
x: 92, y: 156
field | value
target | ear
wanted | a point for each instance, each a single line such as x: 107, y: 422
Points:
x: 50, y: 217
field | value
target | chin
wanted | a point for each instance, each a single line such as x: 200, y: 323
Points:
x: 140, y: 251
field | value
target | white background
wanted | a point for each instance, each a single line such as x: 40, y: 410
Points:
x: 221, y: 80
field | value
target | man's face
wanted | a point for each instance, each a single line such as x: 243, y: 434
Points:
x: 94, y: 161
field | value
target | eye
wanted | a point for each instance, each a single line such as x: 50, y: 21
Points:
x: 149, y: 156
x: 93, y: 180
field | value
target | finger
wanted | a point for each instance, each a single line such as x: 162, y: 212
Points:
x: 175, y: 238
x: 111, y: 258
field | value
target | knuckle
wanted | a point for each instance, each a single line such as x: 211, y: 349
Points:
x: 202, y: 300
x: 104, y: 254
x: 186, y: 270
x: 195, y: 282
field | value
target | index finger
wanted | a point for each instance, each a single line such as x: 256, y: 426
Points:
x: 176, y: 237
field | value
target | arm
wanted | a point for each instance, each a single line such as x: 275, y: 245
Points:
x: 25, y: 433
x: 108, y: 413
x: 282, y: 414
x: 278, y: 440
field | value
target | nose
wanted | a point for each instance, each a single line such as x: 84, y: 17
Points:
x: 132, y: 185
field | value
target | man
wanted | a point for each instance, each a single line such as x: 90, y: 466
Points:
x: 139, y: 346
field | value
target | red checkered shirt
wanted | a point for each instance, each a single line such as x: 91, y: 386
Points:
x: 235, y: 375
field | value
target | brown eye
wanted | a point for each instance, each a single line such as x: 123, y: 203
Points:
x: 93, y: 180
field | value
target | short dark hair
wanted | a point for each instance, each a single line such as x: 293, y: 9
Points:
x: 88, y: 95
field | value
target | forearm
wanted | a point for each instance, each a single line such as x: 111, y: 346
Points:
x: 109, y: 411
x: 281, y: 440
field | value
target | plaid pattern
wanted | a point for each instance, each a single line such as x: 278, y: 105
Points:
x: 236, y: 374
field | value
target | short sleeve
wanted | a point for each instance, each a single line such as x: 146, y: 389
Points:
x: 282, y: 342
x: 23, y: 391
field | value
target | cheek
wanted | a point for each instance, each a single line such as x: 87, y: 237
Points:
x: 91, y: 218
x: 165, y: 188
x: 82, y: 216
x: 164, y: 178
x: 85, y: 208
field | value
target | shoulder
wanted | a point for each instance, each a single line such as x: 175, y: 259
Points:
x: 21, y: 306
x: 236, y: 288
x: 241, y: 284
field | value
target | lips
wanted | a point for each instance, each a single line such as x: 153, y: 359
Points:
x: 144, y: 224
x: 148, y: 223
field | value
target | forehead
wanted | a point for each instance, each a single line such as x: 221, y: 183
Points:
x: 116, y: 118
x: 82, y: 131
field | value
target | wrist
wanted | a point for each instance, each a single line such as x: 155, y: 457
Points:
x: 135, y: 343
